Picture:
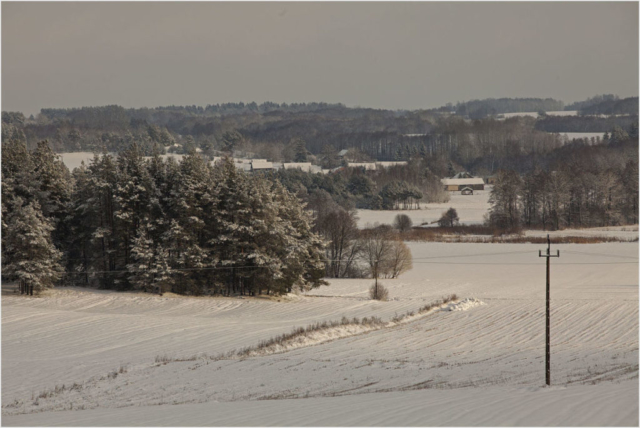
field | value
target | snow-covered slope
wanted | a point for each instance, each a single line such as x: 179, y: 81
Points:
x: 483, y: 365
x: 559, y: 406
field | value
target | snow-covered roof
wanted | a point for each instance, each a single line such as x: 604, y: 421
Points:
x: 261, y: 165
x: 298, y: 165
x: 393, y: 163
x: 343, y: 152
x: 461, y: 181
x: 365, y: 165
x: 304, y: 166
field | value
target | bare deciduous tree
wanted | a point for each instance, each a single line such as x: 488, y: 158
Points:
x: 403, y: 223
x: 340, y: 229
x: 449, y: 218
x: 398, y: 261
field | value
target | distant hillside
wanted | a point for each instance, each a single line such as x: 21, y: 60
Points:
x: 611, y: 107
x: 607, y: 104
x: 477, y: 109
x: 584, y: 123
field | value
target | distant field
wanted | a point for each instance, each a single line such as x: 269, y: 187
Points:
x: 488, y: 360
x: 471, y: 210
x: 74, y: 159
x: 535, y: 114
x: 576, y: 135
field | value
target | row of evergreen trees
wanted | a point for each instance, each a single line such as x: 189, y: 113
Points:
x: 127, y: 222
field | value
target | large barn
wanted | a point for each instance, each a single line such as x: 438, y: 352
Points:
x: 456, y: 184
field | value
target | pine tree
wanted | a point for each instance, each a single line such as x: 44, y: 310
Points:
x: 300, y: 151
x: 618, y: 134
x: 150, y: 268
x: 423, y: 150
x: 101, y: 206
x: 34, y: 258
x: 142, y: 260
x: 134, y: 197
x: 54, y: 186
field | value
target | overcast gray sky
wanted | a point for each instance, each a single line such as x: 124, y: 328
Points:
x: 383, y: 55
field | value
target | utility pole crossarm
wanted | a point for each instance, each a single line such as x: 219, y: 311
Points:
x: 548, y: 317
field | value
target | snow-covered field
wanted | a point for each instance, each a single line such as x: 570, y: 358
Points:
x: 471, y: 210
x: 576, y: 135
x: 116, y: 353
x: 74, y: 159
x: 623, y: 233
x: 535, y: 114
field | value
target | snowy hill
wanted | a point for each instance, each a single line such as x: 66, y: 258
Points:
x: 136, y: 359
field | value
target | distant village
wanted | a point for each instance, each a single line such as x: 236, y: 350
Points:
x: 462, y: 182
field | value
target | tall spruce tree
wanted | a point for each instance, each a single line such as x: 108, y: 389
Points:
x: 34, y: 259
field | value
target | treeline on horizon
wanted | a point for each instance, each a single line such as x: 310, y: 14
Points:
x: 272, y: 130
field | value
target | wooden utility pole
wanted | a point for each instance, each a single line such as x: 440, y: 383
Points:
x: 376, y: 274
x: 548, y: 334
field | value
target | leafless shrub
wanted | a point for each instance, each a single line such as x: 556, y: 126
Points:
x: 440, y: 302
x: 298, y: 332
x: 378, y: 292
x: 163, y: 359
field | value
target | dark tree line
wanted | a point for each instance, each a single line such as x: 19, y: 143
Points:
x: 316, y: 132
x: 127, y: 222
x: 478, y: 109
x: 584, y: 186
x: 607, y: 105
x: 585, y: 123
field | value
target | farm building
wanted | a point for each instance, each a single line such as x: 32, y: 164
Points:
x: 390, y: 164
x: 456, y: 184
x: 261, y: 166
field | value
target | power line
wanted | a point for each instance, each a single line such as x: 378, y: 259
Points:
x: 415, y: 258
x: 173, y: 270
x: 601, y: 255
x: 523, y: 264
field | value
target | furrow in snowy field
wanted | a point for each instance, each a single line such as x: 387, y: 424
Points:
x: 77, y: 336
x: 601, y: 405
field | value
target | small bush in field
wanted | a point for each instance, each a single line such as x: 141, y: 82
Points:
x: 379, y: 293
x: 403, y: 223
